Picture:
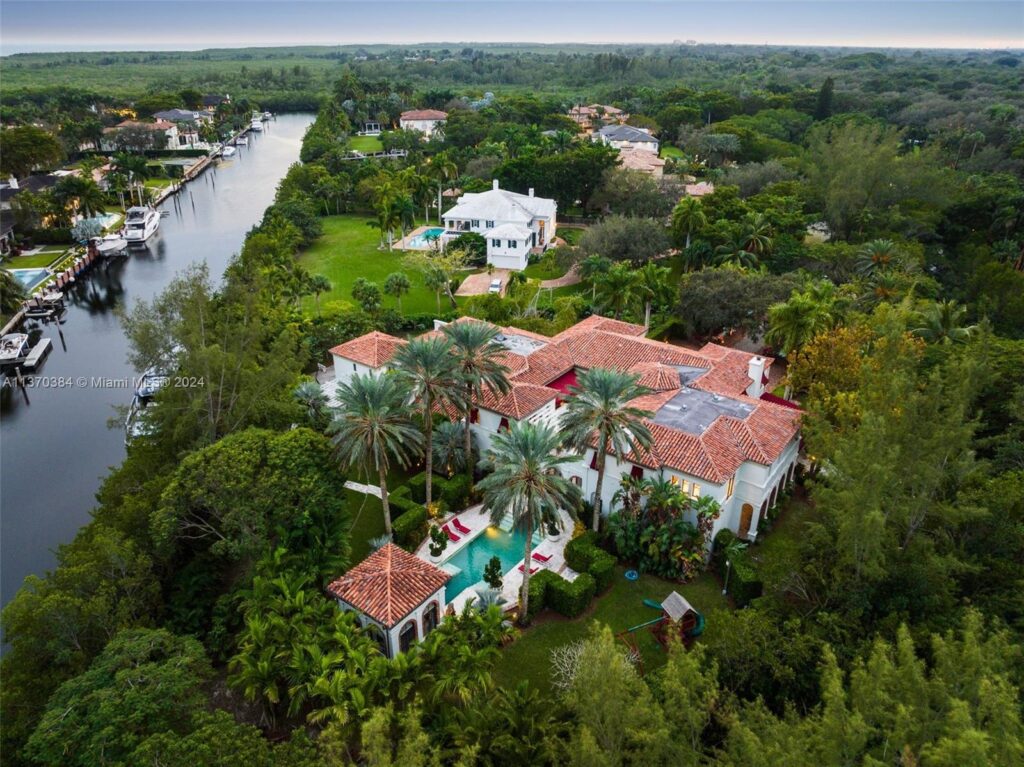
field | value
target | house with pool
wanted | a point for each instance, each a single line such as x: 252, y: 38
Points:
x: 717, y: 431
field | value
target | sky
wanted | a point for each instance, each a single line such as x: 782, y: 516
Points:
x: 62, y: 25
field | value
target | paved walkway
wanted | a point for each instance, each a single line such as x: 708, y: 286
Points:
x: 364, y: 489
x: 571, y: 277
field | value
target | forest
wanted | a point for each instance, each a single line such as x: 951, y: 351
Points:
x: 866, y: 226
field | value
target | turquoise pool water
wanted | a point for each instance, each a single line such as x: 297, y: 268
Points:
x: 467, y: 564
x: 424, y: 238
x: 29, y: 278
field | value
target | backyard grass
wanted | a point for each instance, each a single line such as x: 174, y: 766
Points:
x: 544, y: 269
x: 621, y: 607
x: 39, y: 260
x: 671, y: 151
x: 367, y: 522
x: 366, y: 144
x: 348, y: 250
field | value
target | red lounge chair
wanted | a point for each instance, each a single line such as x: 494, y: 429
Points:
x: 451, y: 536
x: 522, y: 569
x: 541, y: 557
x: 461, y: 527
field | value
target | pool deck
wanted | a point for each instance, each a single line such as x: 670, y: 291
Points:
x: 477, y: 521
x: 405, y: 243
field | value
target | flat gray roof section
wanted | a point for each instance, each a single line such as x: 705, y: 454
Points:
x: 693, y: 410
x: 689, y: 373
x: 519, y: 344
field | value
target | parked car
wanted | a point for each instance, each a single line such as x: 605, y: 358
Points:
x: 495, y: 286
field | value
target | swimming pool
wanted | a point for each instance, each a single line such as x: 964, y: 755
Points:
x: 107, y: 219
x: 468, y: 563
x: 425, y: 238
x: 29, y: 278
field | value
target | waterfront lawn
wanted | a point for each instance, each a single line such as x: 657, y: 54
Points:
x: 529, y: 656
x: 366, y: 144
x: 37, y: 261
x: 348, y: 250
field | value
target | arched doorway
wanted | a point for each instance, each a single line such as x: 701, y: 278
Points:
x: 374, y: 632
x: 430, y: 618
x: 746, y: 516
x: 407, y: 636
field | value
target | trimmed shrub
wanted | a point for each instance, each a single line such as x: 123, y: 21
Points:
x: 580, y: 551
x: 603, y: 570
x: 539, y: 584
x: 569, y: 598
x: 418, y: 487
x: 410, y: 527
x: 454, y: 492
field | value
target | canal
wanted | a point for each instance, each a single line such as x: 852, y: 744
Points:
x: 56, y: 448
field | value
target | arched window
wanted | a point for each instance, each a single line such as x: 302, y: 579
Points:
x: 430, y: 618
x: 374, y: 632
x: 407, y: 637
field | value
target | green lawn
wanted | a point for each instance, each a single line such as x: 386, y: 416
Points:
x: 366, y: 144
x: 571, y: 236
x: 621, y: 607
x: 348, y: 250
x: 671, y: 151
x: 778, y: 548
x: 157, y: 183
x: 544, y: 269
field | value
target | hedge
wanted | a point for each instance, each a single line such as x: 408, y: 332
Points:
x: 538, y: 591
x: 418, y: 487
x: 583, y: 555
x: 602, y: 569
x: 410, y: 528
x: 744, y: 585
x: 454, y: 492
x: 570, y: 598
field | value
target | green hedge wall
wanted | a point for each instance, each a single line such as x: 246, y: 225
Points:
x: 418, y: 487
x: 570, y: 598
x: 410, y: 528
x: 583, y: 555
x: 602, y: 569
x: 453, y: 492
x: 538, y: 591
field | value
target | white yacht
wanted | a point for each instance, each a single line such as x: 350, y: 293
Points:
x: 13, y: 348
x: 267, y: 116
x: 256, y: 125
x: 228, y: 151
x: 241, y: 141
x: 140, y: 223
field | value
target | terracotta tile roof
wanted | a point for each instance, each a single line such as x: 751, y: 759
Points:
x: 373, y: 349
x: 520, y: 402
x: 389, y: 584
x: 424, y: 114
x: 657, y: 376
x: 597, y: 322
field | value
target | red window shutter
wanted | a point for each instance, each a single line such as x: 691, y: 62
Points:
x: 636, y: 472
x: 503, y: 426
x: 593, y: 461
x: 474, y: 416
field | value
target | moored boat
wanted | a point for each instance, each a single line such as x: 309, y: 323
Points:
x: 13, y: 348
x: 141, y: 223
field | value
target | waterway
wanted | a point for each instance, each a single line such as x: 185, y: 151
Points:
x: 56, y: 447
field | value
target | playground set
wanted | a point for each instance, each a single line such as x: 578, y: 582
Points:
x: 678, y: 618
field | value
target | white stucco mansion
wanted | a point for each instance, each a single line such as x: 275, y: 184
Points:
x: 717, y: 432
x: 513, y: 224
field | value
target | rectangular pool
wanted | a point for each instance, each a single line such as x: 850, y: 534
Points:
x: 425, y: 238
x: 29, y: 278
x: 468, y: 563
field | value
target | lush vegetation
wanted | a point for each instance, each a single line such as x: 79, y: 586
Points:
x: 865, y: 226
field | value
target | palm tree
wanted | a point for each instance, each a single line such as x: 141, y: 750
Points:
x: 318, y: 284
x: 478, y: 361
x: 793, y: 323
x: 443, y: 169
x: 427, y: 368
x: 688, y: 217
x: 876, y: 256
x: 590, y: 269
x: 526, y: 484
x: 312, y: 398
x: 735, y: 252
x: 437, y: 281
x: 136, y: 168
x: 942, y: 323
x: 449, y: 446
x: 12, y: 293
x: 397, y: 284
x: 372, y: 429
x: 616, y: 289
x: 561, y: 140
x: 653, y: 286
x: 757, y: 234
x: 598, y: 415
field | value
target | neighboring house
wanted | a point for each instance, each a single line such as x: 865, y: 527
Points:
x: 717, y: 431
x: 398, y: 597
x: 426, y: 121
x: 643, y: 161
x: 591, y: 117
x: 166, y: 134
x: 627, y: 137
x: 699, y: 189
x: 195, y: 117
x: 213, y: 100
x: 35, y: 184
x: 6, y: 231
x: 513, y: 224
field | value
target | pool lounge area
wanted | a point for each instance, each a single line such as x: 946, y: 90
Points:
x: 421, y: 238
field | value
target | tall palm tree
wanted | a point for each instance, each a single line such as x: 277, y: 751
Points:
x: 135, y: 168
x: 590, y: 269
x: 757, y: 234
x: 478, y: 361
x: 793, y: 323
x: 526, y: 484
x: 12, y: 293
x: 616, y: 289
x: 653, y: 286
x: 443, y: 169
x: 735, y: 252
x: 372, y: 429
x: 942, y: 323
x: 436, y: 280
x: 427, y: 367
x: 688, y: 217
x: 318, y: 284
x: 598, y: 415
x: 876, y: 256
x: 449, y: 446
x: 312, y: 398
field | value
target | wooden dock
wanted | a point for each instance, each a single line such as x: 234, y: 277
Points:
x: 35, y: 356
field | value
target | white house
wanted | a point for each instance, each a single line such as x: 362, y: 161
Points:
x: 398, y: 597
x: 165, y: 135
x: 425, y: 121
x: 717, y: 432
x: 626, y: 137
x: 194, y: 116
x: 513, y: 224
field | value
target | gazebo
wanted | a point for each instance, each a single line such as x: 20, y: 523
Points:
x: 399, y: 597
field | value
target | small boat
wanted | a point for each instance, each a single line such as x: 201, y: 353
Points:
x: 256, y: 125
x: 112, y: 245
x: 13, y: 348
x: 152, y: 381
x: 228, y: 151
x: 241, y: 141
x: 141, y: 223
x: 267, y: 116
x: 138, y: 423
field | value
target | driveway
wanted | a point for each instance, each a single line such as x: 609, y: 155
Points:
x: 478, y: 284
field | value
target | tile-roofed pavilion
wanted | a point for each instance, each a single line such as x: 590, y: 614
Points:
x: 373, y: 349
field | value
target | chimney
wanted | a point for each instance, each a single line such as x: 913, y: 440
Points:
x: 13, y: 183
x: 755, y: 369
x: 494, y: 184
x: 531, y: 191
